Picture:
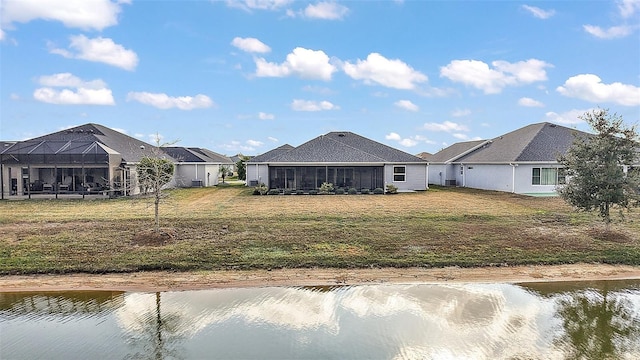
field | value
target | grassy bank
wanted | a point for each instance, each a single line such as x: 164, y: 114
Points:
x: 228, y: 228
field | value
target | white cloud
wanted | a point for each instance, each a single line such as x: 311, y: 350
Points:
x: 305, y: 63
x: 393, y: 136
x: 83, y: 14
x: 571, y: 117
x: 163, y: 101
x: 460, y: 112
x: 610, y: 33
x: 254, y: 143
x: 77, y: 97
x: 265, y: 116
x: 325, y: 11
x: 529, y: 102
x: 407, y: 105
x: 156, y: 138
x: 70, y: 80
x: 539, y: 13
x: 2, y: 35
x: 236, y: 146
x: 272, y: 139
x: 460, y: 136
x: 628, y: 8
x: 408, y: 142
x: 249, y: 5
x: 100, y: 50
x: 76, y: 91
x: 478, y: 74
x: 251, y: 45
x: 380, y: 70
x: 446, y: 126
x: 589, y: 87
x: 309, y: 105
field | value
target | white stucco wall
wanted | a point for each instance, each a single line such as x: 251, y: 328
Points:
x: 523, y: 179
x: 415, y: 177
x: 502, y: 177
x: 258, y: 173
x: 185, y: 174
x: 487, y: 177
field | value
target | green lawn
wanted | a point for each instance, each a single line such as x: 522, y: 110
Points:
x: 228, y: 228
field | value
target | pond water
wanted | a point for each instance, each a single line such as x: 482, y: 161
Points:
x: 585, y: 320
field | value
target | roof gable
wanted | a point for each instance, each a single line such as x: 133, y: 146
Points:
x: 536, y: 142
x: 454, y: 151
x: 338, y: 147
x: 80, y: 139
x: 271, y: 154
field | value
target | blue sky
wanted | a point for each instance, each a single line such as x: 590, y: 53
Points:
x: 248, y: 76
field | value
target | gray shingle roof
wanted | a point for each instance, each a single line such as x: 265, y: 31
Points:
x: 339, y: 147
x: 80, y: 139
x: 214, y: 156
x: 195, y: 155
x: 536, y: 142
x: 454, y: 151
x: 271, y: 154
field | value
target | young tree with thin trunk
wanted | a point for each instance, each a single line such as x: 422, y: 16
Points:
x: 154, y: 172
x: 597, y: 167
x: 224, y: 171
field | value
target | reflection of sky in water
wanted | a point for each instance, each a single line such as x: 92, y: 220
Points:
x: 475, y: 321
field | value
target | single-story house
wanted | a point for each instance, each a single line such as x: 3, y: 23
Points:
x: 92, y: 158
x: 345, y: 159
x: 195, y: 166
x: 522, y: 161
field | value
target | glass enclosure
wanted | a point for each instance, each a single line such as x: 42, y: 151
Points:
x: 311, y: 177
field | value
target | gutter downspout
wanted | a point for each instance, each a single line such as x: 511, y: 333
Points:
x: 513, y: 177
x: 427, y: 179
x: 1, y: 178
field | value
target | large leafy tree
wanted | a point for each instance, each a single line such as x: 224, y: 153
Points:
x: 153, y: 173
x: 595, y: 166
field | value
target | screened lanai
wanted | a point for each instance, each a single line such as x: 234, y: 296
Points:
x: 311, y: 177
x: 58, y: 166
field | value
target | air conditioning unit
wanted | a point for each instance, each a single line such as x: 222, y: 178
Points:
x: 450, y: 183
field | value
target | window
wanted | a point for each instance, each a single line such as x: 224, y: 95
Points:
x: 399, y: 173
x: 548, y: 176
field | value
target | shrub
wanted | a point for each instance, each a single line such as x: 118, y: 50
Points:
x: 353, y: 191
x: 378, y: 191
x: 326, y: 188
x: 273, y: 192
x: 364, y: 191
x: 392, y: 189
x: 260, y: 189
x: 299, y: 192
x: 313, y: 192
x: 288, y: 192
x: 339, y: 191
